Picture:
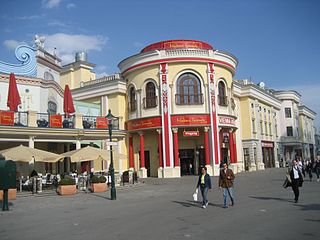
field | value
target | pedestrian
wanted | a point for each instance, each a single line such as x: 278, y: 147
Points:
x: 317, y: 169
x: 204, y: 182
x: 226, y: 178
x: 296, y: 179
x: 301, y: 166
x: 309, y: 168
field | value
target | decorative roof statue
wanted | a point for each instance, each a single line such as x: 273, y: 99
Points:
x: 39, y: 41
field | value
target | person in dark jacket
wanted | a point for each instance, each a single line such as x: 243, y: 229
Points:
x: 204, y: 182
x: 226, y: 178
x: 296, y: 179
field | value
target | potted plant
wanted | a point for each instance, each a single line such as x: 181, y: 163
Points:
x: 98, y: 184
x: 67, y: 186
x: 12, y: 194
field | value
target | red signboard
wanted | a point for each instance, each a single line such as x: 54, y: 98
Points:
x: 227, y: 121
x: 102, y: 122
x: 56, y: 121
x: 177, y: 44
x: 191, y: 133
x: 7, y: 118
x: 190, y: 120
x: 145, y: 123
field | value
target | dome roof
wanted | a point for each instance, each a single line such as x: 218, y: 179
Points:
x: 177, y: 44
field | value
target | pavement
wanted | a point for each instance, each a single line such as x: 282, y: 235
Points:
x: 164, y: 209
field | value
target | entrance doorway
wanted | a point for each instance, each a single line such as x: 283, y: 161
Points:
x: 187, y: 162
x: 147, y: 162
x: 268, y: 157
x: 225, y: 155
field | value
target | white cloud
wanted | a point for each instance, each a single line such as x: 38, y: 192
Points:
x: 71, y: 5
x: 12, y: 44
x: 50, y: 3
x: 57, y: 23
x: 67, y: 45
x: 102, y: 74
x: 31, y: 17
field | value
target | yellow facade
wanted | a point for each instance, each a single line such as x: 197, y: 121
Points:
x: 73, y: 76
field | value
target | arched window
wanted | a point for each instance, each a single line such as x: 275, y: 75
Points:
x: 132, y: 100
x: 150, y: 101
x: 188, y: 90
x: 222, y: 98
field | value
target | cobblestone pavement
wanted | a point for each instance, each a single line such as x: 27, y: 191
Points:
x: 164, y: 209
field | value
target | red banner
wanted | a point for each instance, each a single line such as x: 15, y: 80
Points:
x: 190, y: 120
x: 7, y: 118
x: 191, y: 133
x: 154, y: 122
x: 102, y: 122
x: 267, y: 144
x: 56, y: 121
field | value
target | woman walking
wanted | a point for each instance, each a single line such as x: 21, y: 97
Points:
x: 204, y: 182
x: 296, y: 179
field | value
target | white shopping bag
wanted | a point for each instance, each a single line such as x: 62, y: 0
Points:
x: 195, y: 195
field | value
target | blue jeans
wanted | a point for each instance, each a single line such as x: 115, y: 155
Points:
x: 204, y: 193
x: 226, y: 192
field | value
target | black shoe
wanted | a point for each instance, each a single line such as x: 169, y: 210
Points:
x: 295, y: 201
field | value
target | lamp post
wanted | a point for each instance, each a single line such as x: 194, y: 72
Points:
x: 110, y: 118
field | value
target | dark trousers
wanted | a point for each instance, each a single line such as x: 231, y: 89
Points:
x: 295, y: 188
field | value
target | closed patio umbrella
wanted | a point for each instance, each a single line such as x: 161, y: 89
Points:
x: 68, y: 106
x: 26, y: 154
x: 13, y: 94
x: 86, y: 154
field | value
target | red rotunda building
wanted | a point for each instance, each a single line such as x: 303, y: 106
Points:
x: 181, y: 110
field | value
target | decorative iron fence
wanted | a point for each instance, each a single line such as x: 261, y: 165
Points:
x: 21, y: 119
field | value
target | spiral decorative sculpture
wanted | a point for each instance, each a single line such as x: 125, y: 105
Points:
x: 28, y: 66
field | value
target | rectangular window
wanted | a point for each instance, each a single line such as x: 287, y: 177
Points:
x: 289, y: 132
x: 287, y: 112
x: 254, y: 126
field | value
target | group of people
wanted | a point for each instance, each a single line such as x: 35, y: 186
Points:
x: 226, y: 178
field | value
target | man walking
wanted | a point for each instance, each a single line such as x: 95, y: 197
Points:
x: 226, y: 183
x: 296, y: 179
x: 204, y: 182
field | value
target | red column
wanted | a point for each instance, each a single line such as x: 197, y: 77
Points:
x: 216, y: 144
x: 235, y: 148
x: 160, y: 148
x: 176, y: 147
x: 231, y: 147
x: 206, y: 145
x: 131, y: 159
x: 142, y: 163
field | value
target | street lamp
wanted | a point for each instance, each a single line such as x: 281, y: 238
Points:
x: 111, y: 118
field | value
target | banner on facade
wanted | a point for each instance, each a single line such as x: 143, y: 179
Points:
x: 101, y: 122
x: 190, y: 120
x: 7, y: 118
x: 146, y: 123
x: 191, y: 133
x: 56, y: 121
x: 267, y: 144
x: 227, y: 120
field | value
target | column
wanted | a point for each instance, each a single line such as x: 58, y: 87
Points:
x: 31, y: 142
x: 142, y: 163
x: 160, y: 148
x: 206, y: 145
x: 78, y: 146
x: 231, y: 146
x: 176, y: 147
x: 131, y: 157
x: 235, y: 148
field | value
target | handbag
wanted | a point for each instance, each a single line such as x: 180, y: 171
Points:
x: 195, y: 195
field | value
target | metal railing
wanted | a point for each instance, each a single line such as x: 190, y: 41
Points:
x: 21, y: 119
x: 68, y: 121
x: 43, y: 120
x: 90, y: 122
x: 190, y: 99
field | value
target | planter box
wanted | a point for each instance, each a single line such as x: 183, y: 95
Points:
x: 67, y: 190
x: 12, y: 194
x: 99, y: 187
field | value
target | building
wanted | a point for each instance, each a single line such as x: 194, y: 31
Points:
x: 296, y: 127
x: 260, y: 118
x: 181, y: 109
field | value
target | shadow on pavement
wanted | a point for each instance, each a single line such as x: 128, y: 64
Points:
x: 308, y: 207
x: 189, y: 203
x: 272, y: 198
x: 312, y: 220
x: 99, y: 196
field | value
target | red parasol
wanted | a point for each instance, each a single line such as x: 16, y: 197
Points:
x: 13, y: 94
x: 68, y: 106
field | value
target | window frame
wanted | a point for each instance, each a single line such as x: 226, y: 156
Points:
x: 188, y: 90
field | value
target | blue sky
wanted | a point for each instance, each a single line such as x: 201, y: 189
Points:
x: 277, y: 42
